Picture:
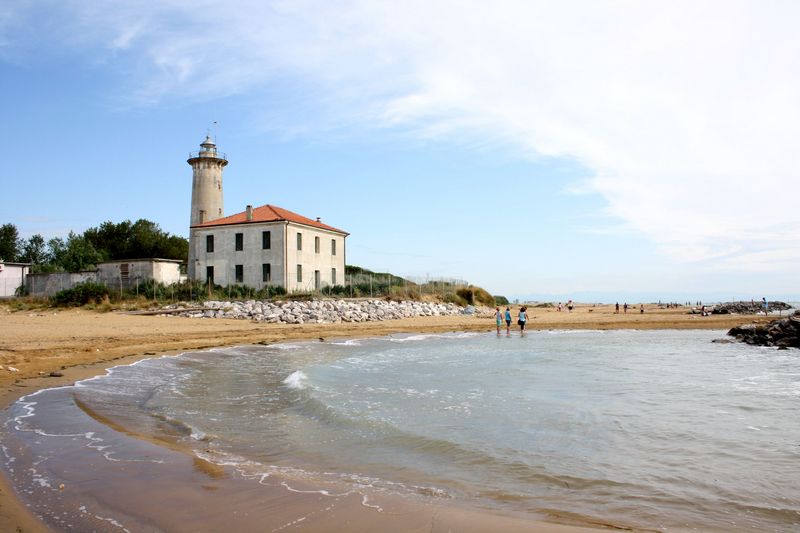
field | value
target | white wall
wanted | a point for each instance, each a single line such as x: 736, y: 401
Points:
x: 225, y: 257
x: 312, y: 260
x: 11, y: 277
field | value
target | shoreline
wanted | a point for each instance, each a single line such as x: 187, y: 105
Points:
x: 81, y: 344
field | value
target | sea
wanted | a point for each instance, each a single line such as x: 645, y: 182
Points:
x: 659, y: 430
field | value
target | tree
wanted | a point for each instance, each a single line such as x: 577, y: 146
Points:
x: 9, y: 243
x: 34, y: 251
x: 55, y: 252
x: 111, y: 240
x: 136, y: 240
x: 79, y: 254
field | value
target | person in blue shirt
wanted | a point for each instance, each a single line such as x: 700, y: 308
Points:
x: 523, y: 318
x: 508, y: 321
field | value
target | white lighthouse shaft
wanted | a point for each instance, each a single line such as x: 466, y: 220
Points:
x: 207, y: 165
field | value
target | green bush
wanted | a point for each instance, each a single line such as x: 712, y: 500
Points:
x: 452, y: 298
x: 81, y: 294
x: 335, y: 290
x: 481, y: 296
x: 467, y: 295
x: 500, y: 300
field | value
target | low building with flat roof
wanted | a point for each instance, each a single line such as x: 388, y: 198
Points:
x: 12, y: 277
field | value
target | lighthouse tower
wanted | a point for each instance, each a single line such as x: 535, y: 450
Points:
x: 207, y: 165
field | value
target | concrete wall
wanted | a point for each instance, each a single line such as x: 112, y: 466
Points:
x: 12, y: 276
x: 167, y: 272
x: 42, y: 285
x: 282, y: 256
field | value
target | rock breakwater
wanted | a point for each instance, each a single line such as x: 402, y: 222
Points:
x: 783, y: 333
x: 748, y: 308
x: 316, y: 311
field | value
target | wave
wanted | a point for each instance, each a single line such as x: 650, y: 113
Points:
x: 425, y: 336
x: 296, y: 380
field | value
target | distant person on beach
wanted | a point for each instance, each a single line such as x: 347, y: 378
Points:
x: 570, y: 306
x: 766, y: 305
x: 616, y: 309
x: 508, y: 321
x: 523, y: 317
x: 641, y: 308
x: 625, y: 307
x: 498, y: 316
x: 559, y: 307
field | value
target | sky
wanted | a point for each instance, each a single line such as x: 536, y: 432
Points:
x: 593, y: 150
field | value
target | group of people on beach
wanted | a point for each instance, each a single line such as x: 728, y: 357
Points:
x: 570, y: 305
x: 500, y: 316
x: 625, y: 308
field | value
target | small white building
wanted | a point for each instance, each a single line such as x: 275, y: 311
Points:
x: 265, y: 246
x: 127, y: 272
x: 12, y: 276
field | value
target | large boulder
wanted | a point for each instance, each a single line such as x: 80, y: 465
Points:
x: 783, y: 333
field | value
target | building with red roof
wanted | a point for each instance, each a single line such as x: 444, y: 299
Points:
x: 258, y: 247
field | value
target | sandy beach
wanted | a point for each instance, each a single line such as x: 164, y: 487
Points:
x: 81, y: 343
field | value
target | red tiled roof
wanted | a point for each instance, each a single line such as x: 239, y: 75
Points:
x: 267, y: 213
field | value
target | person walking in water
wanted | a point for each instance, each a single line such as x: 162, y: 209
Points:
x: 498, y: 316
x: 508, y: 321
x: 522, y: 319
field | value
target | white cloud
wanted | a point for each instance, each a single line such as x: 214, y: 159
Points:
x: 686, y: 112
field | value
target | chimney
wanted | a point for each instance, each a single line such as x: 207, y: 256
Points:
x: 318, y: 220
x: 249, y: 211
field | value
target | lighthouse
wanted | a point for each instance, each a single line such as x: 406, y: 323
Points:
x: 207, y: 166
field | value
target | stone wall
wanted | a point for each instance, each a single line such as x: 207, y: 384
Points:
x: 319, y: 311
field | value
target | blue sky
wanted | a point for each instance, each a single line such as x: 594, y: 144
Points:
x: 585, y: 150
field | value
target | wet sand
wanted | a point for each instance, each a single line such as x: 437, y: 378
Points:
x: 81, y: 344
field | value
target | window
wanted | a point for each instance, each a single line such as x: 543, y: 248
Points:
x: 316, y: 245
x: 333, y: 246
x: 239, y: 242
x: 333, y: 276
x: 209, y: 243
x: 317, y: 280
x: 299, y: 272
x: 239, y: 273
x: 266, y: 272
x: 299, y: 241
x: 210, y: 275
x: 266, y: 240
x: 202, y: 216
